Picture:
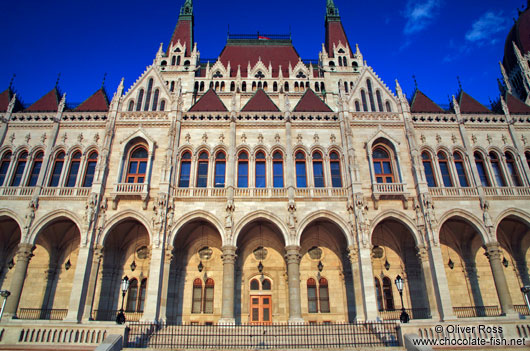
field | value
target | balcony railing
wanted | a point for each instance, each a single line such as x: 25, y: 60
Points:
x: 17, y: 190
x: 414, y: 313
x: 39, y: 313
x: 110, y: 315
x: 477, y: 311
x: 522, y: 310
x: 64, y: 192
x: 130, y: 188
x: 507, y: 191
x: 259, y: 192
x: 453, y: 192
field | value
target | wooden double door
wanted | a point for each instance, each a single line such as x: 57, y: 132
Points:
x: 260, y: 309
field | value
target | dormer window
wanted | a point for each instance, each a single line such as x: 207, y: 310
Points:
x: 341, y: 51
x: 259, y: 75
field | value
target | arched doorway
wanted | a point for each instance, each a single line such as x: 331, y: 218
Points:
x: 195, y: 275
x: 46, y: 296
x: 260, y: 251
x: 325, y: 268
x: 468, y: 271
x: 394, y: 253
x: 9, y: 240
x: 126, y: 252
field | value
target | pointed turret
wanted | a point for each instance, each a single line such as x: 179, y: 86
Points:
x: 97, y: 102
x: 334, y: 31
x: 422, y: 104
x: 47, y: 103
x: 184, y: 29
x: 469, y: 105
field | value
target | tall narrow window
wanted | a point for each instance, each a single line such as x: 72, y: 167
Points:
x: 57, y: 169
x: 379, y: 100
x: 429, y: 171
x: 481, y: 168
x: 357, y: 106
x: 512, y: 169
x: 301, y: 177
x: 277, y: 169
x: 242, y: 170
x: 323, y: 295
x: 312, y: 301
x: 379, y: 295
x: 334, y: 166
x: 140, y: 99
x: 496, y: 166
x: 382, y: 165
x: 4, y: 166
x: 74, y: 170
x: 90, y: 169
x: 35, y: 170
x: 208, y: 295
x: 141, y: 295
x: 318, y: 171
x: 460, y: 170
x: 387, y: 294
x: 196, y: 296
x: 131, y: 105
x: 132, y: 295
x: 260, y: 170
x: 185, y: 167
x: 444, y: 169
x: 244, y: 86
x: 286, y: 86
x: 220, y: 170
x: 370, y: 95
x: 388, y: 107
x: 148, y: 95
x: 363, y: 99
x: 202, y: 170
x: 274, y: 86
x: 155, y: 99
x: 137, y: 166
x: 163, y: 105
x: 19, y: 170
x: 527, y: 155
x: 254, y: 284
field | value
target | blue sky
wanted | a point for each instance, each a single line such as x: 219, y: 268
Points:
x: 435, y: 40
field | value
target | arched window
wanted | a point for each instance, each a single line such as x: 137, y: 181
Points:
x: 357, y: 106
x: 74, y: 169
x: 275, y: 86
x: 481, y: 168
x: 172, y: 86
x: 460, y: 170
x: 363, y: 99
x: 90, y: 169
x: 266, y: 285
x: 57, y: 169
x: 178, y: 60
x: 301, y: 177
x: 387, y: 294
x: 137, y: 165
x: 429, y: 170
x: 4, y: 166
x: 141, y: 297
x: 286, y: 86
x: 220, y: 169
x: 131, y: 105
x: 162, y: 105
x: 316, y: 87
x: 346, y: 86
x: 312, y: 300
x: 527, y: 155
x: 208, y: 295
x: 277, y: 170
x: 140, y: 99
x: 174, y: 60
x: 296, y: 86
x: 379, y: 295
x: 260, y: 170
x: 196, y: 296
x: 323, y: 295
x: 242, y: 170
x: 379, y: 100
x: 512, y: 169
x: 340, y: 61
x: 35, y: 170
x: 254, y: 284
x: 497, y: 171
x: 388, y: 107
x: 202, y: 170
x: 318, y: 170
x: 370, y: 95
x: 132, y: 295
x: 334, y: 166
x: 244, y: 86
x: 155, y: 99
x: 382, y: 165
x: 202, y: 86
x: 232, y: 86
x: 444, y: 169
x: 185, y: 168
x: 322, y: 87
x: 20, y: 167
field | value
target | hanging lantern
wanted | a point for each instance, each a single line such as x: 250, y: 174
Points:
x: 505, y: 262
x: 133, y: 265
x: 451, y: 264
x: 11, y: 264
x: 260, y: 267
x: 320, y: 266
x: 67, y: 265
x: 200, y: 267
x: 387, y: 265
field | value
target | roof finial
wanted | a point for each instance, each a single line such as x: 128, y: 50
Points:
x: 459, y: 83
x: 11, y: 81
x: 415, y: 81
x: 58, y: 78
x: 103, y: 82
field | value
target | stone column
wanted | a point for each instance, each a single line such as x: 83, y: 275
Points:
x: 293, y: 272
x: 441, y: 288
x: 168, y: 257
x: 423, y: 256
x: 367, y: 281
x: 83, y: 269
x: 95, y: 263
x: 353, y: 255
x: 152, y: 300
x: 229, y: 261
x: 24, y: 254
x: 493, y: 253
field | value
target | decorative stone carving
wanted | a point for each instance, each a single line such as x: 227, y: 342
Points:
x: 96, y: 138
x: 187, y: 138
x: 277, y: 138
x: 27, y: 138
x: 291, y: 219
x: 315, y: 253
x: 260, y: 253
x: 43, y: 138
x: 260, y: 138
x: 299, y: 138
x: 244, y: 138
x: 332, y: 138
x: 90, y: 208
x: 230, y: 208
x: 80, y: 137
x: 33, y: 205
x: 485, y: 205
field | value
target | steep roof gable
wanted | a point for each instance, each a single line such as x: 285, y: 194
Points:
x: 310, y: 102
x: 97, y: 102
x: 260, y: 102
x: 515, y: 105
x: 209, y: 102
x: 470, y: 105
x: 421, y: 103
x: 47, y: 103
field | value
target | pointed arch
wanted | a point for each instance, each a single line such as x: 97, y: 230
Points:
x: 197, y: 215
x: 333, y: 217
x: 265, y: 216
x: 468, y: 217
x: 399, y: 217
x: 124, y: 216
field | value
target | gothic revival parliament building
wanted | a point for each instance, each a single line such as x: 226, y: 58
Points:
x: 263, y: 188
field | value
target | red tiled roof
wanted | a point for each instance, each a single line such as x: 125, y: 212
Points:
x: 47, y: 103
x: 276, y: 54
x: 310, y: 102
x: 515, y: 105
x: 5, y: 97
x: 335, y: 34
x: 209, y: 102
x: 470, y: 105
x: 98, y: 102
x: 260, y: 102
x: 184, y: 32
x: 421, y: 103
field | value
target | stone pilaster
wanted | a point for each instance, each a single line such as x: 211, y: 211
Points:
x: 24, y: 255
x: 441, y: 287
x: 423, y: 255
x: 78, y: 293
x: 229, y: 261
x: 367, y: 282
x: 168, y: 257
x: 152, y: 301
x: 493, y: 253
x: 292, y: 257
x: 95, y: 263
x: 353, y: 255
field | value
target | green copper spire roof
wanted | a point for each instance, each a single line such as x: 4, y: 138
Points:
x: 186, y: 9
x: 332, y: 12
